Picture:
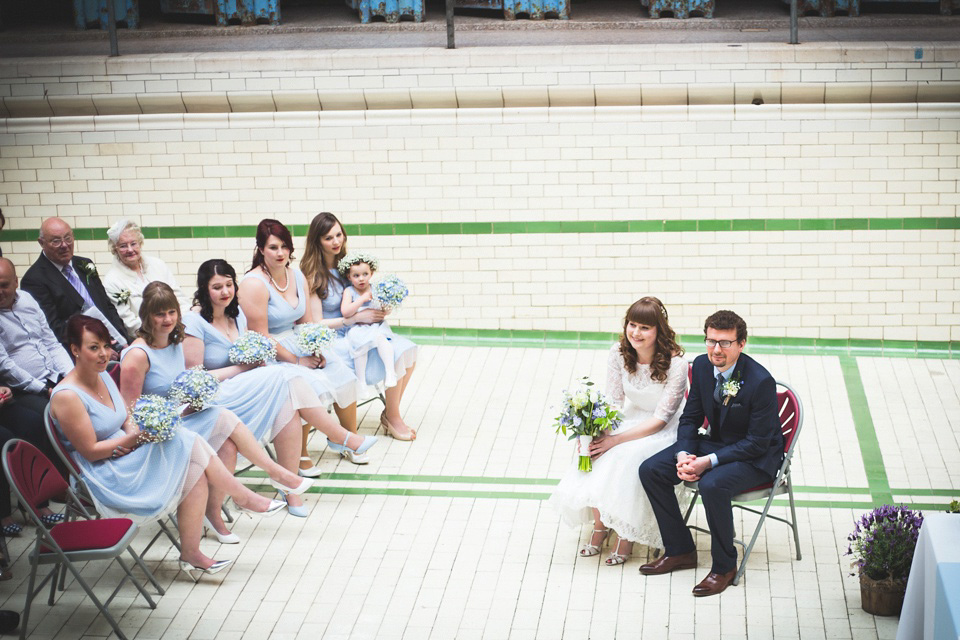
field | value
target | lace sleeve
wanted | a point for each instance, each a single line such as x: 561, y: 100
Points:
x: 615, y: 376
x: 673, y: 392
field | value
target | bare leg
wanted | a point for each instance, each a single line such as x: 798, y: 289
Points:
x: 190, y: 524
x: 305, y: 462
x: 599, y: 534
x: 220, y: 479
x: 252, y: 451
x: 287, y: 446
x: 228, y: 456
x: 347, y: 416
x: 392, y: 412
x: 328, y: 427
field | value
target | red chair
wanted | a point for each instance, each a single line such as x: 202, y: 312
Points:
x: 86, y: 508
x: 34, y: 480
x: 791, y: 420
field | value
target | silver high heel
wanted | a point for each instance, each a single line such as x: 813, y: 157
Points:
x: 616, y: 557
x: 272, y: 509
x: 216, y: 567
x: 224, y: 538
x: 588, y: 549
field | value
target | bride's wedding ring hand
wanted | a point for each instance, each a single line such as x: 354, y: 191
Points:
x: 600, y: 445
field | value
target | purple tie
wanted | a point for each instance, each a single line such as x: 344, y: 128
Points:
x: 74, y: 280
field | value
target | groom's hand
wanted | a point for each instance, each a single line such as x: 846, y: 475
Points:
x: 692, y: 468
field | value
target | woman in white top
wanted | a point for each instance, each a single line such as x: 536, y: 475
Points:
x: 647, y: 378
x: 132, y: 271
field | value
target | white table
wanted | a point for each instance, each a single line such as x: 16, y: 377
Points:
x: 931, y: 607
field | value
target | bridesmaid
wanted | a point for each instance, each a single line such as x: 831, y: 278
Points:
x: 273, y: 298
x: 155, y: 358
x: 326, y: 245
x: 128, y: 477
x: 269, y: 403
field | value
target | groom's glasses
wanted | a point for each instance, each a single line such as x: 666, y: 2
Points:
x: 724, y: 344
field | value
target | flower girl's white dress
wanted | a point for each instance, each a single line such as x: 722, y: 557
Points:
x: 613, y: 486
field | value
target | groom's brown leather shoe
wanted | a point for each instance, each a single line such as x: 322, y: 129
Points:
x: 714, y: 583
x: 666, y: 564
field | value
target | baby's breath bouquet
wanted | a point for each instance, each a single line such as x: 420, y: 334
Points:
x: 313, y: 338
x: 390, y: 292
x: 252, y: 347
x: 586, y: 413
x: 156, y: 417
x: 195, y: 387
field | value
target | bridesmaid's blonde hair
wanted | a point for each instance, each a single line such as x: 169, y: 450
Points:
x: 157, y: 298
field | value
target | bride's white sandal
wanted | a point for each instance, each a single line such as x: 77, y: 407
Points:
x: 616, y: 557
x: 588, y: 549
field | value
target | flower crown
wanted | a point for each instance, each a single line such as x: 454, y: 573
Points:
x: 356, y: 258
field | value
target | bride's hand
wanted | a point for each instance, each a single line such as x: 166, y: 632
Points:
x: 601, y: 444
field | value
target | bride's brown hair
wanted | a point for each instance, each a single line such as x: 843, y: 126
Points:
x: 651, y: 312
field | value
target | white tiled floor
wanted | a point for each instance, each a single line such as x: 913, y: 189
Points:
x: 480, y: 563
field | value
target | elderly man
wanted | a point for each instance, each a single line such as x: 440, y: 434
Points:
x: 31, y: 363
x: 64, y: 284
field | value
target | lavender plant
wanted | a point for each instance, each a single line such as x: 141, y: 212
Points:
x: 883, y: 542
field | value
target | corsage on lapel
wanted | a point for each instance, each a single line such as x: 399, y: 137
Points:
x: 731, y: 387
x: 89, y: 269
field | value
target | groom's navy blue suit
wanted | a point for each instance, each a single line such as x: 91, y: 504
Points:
x: 746, y: 438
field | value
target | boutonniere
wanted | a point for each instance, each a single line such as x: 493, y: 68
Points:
x: 89, y: 269
x: 731, y: 387
x: 703, y: 431
x: 122, y: 297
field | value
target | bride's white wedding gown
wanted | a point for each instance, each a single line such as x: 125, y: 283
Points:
x: 613, y: 486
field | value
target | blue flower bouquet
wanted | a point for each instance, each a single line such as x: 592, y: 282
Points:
x: 157, y: 418
x: 390, y: 293
x: 586, y: 413
x: 195, y: 387
x: 252, y: 348
x: 313, y: 338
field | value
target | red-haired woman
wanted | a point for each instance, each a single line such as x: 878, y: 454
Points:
x: 647, y: 377
x: 127, y: 475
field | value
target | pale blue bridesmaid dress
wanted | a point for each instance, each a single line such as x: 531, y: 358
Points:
x: 404, y: 351
x: 336, y: 377
x: 262, y: 399
x: 214, y: 424
x: 148, y: 482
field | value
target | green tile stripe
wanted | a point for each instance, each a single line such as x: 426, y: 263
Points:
x: 866, y: 433
x: 535, y: 226
x: 692, y: 343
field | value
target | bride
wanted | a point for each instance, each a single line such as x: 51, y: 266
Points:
x: 647, y: 378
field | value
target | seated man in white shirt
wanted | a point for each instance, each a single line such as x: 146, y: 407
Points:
x: 31, y: 363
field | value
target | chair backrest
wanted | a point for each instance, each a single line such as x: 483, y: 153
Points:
x: 113, y: 368
x: 791, y: 416
x: 31, y: 475
x: 53, y: 435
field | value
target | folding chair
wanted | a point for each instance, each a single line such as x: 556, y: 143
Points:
x: 791, y: 420
x: 85, y: 507
x: 33, y: 480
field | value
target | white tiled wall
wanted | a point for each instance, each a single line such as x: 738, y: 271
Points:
x: 680, y: 160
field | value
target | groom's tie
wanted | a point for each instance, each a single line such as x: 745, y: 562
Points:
x: 718, y: 388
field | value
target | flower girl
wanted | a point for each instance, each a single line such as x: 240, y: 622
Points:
x: 358, y: 268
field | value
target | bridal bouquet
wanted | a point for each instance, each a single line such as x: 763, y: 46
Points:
x: 157, y: 418
x: 586, y: 413
x: 252, y: 347
x: 390, y: 293
x: 195, y: 387
x: 313, y: 338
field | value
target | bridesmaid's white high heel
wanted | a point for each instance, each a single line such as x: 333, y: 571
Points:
x: 312, y: 472
x: 224, y: 538
x: 305, y: 484
x: 216, y: 567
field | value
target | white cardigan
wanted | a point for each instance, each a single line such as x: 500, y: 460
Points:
x: 121, y: 279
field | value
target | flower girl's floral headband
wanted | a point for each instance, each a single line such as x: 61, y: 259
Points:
x: 356, y: 258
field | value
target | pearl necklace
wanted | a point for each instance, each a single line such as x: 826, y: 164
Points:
x: 274, y: 282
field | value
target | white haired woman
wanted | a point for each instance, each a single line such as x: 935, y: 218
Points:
x: 132, y: 271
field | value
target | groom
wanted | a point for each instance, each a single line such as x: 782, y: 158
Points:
x: 741, y: 448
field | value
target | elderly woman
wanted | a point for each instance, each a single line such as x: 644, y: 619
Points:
x: 132, y: 271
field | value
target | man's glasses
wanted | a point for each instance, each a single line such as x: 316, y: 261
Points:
x: 724, y: 344
x: 56, y: 243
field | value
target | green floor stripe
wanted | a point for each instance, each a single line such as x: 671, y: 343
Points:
x: 866, y: 434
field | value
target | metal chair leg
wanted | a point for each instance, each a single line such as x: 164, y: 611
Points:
x: 793, y: 518
x: 146, y: 571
